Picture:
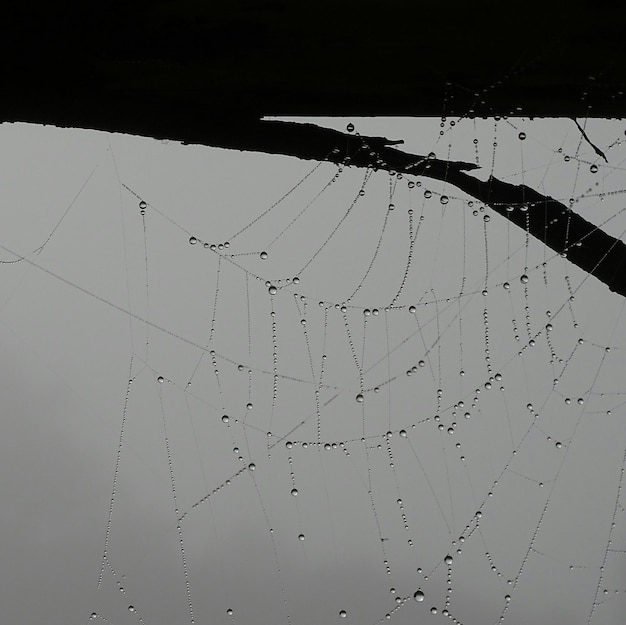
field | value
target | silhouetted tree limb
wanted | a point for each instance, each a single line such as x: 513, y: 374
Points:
x: 545, y: 218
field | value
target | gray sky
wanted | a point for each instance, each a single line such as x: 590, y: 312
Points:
x: 104, y: 295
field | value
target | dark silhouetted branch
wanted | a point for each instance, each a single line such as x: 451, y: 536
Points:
x: 545, y: 218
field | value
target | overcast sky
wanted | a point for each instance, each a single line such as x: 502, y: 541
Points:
x: 366, y: 438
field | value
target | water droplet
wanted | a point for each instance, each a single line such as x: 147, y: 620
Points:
x: 403, y: 433
x: 143, y: 205
x: 300, y: 536
x: 427, y: 194
x: 506, y: 286
x: 486, y: 218
x: 522, y: 136
x: 391, y: 207
x: 343, y: 614
x: 444, y: 199
x: 263, y: 255
x: 421, y: 363
x: 433, y: 610
x: 272, y: 290
x: 249, y: 406
x: 252, y: 466
x: 350, y: 127
x: 524, y: 279
x: 294, y: 492
x: 558, y: 445
x: 229, y: 612
x: 193, y: 240
x: 448, y: 559
x: 593, y: 169
x: 131, y: 608
x: 412, y: 309
x: 160, y: 379
x: 359, y: 398
x: 418, y: 596
x: 225, y: 419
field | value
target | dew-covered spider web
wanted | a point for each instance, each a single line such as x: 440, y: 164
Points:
x: 284, y: 391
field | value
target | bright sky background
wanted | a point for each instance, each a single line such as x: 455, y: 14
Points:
x: 104, y: 294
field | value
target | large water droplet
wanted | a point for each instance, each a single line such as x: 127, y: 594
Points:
x: 444, y: 199
x: 294, y: 492
x: 359, y: 398
x: 427, y: 194
x: 131, y: 608
x: 350, y: 127
x: 418, y: 596
x: 448, y: 559
x: 343, y: 614
x: 160, y: 379
x: 524, y: 279
x: 263, y: 255
x: 272, y: 290
x: 522, y: 136
x: 225, y: 419
x: 193, y: 240
x: 593, y: 169
x: 300, y: 536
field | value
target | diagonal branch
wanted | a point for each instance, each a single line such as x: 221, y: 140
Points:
x: 548, y: 220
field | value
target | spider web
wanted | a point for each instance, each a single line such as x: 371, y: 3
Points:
x: 338, y: 394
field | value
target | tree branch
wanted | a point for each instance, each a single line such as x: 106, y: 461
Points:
x: 551, y: 222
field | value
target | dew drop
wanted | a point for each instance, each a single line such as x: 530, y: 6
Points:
x: 272, y: 290
x: 229, y: 612
x: 131, y: 608
x: 193, y: 240
x: 403, y: 433
x: 593, y: 169
x: 343, y: 614
x: 418, y: 596
x: 160, y: 379
x: 225, y: 419
x: 506, y: 286
x: 294, y: 492
x: 421, y: 363
x: 448, y: 559
x: 350, y: 127
x: 522, y: 136
x: 263, y: 255
x: 433, y: 610
x: 427, y: 194
x: 359, y: 398
x: 252, y: 466
x: 412, y: 309
x: 524, y: 279
x: 300, y: 537
x: 143, y: 205
x: 444, y: 199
